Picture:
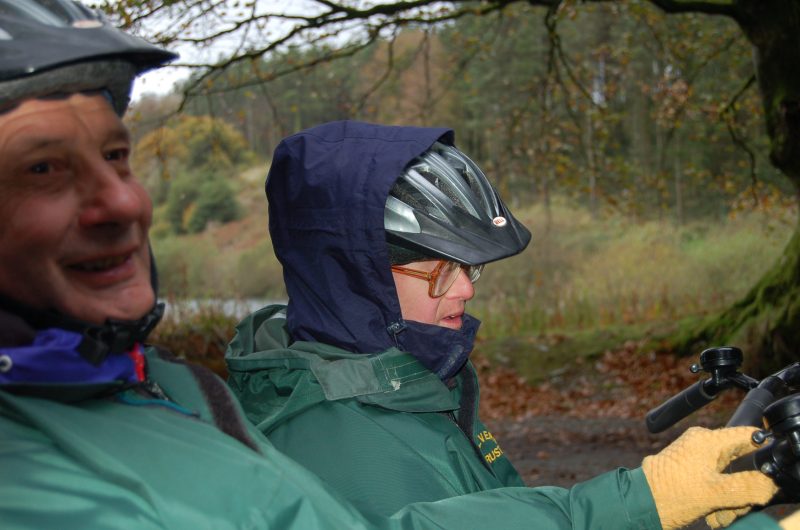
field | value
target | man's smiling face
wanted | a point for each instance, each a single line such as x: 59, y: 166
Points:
x: 73, y: 218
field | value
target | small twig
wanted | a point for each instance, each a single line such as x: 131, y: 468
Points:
x: 555, y: 41
x: 384, y: 77
x: 728, y: 113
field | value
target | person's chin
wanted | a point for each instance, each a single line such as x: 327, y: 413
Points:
x: 131, y: 302
x: 137, y: 301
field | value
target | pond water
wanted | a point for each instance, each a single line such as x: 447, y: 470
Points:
x: 239, y: 308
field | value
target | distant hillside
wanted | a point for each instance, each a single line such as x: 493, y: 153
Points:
x: 250, y: 229
x: 226, y: 260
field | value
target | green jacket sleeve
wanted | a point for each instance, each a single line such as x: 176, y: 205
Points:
x: 132, y: 462
x: 42, y: 488
x: 617, y: 500
x: 382, y: 460
x: 51, y: 492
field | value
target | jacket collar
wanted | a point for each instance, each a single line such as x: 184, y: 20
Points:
x: 48, y: 363
x: 391, y: 379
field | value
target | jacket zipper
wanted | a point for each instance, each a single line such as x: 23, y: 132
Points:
x: 472, y: 443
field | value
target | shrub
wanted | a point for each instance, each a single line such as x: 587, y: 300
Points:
x: 215, y: 202
x: 259, y: 274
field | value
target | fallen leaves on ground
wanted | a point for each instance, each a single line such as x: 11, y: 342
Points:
x: 623, y: 383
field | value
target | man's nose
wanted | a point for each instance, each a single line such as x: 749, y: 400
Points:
x: 112, y: 198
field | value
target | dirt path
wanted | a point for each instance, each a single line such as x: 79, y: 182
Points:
x: 560, y: 451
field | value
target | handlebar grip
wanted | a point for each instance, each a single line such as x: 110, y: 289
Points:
x: 751, y: 409
x: 749, y: 462
x: 678, y: 407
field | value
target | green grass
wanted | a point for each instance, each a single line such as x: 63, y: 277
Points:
x: 587, y: 285
x: 540, y: 357
x: 585, y: 273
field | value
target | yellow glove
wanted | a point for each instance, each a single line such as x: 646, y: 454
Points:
x: 688, y: 482
x: 791, y: 522
x: 724, y: 518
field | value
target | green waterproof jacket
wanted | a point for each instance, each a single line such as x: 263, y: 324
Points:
x: 383, y: 430
x: 133, y: 460
x: 192, y: 462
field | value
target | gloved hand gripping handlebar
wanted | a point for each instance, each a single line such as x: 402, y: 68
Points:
x: 771, y: 404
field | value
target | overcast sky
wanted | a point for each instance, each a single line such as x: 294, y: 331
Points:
x: 161, y: 81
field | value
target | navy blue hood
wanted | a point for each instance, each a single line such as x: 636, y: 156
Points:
x: 327, y: 189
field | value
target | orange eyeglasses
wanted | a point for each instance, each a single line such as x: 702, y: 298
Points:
x: 443, y: 276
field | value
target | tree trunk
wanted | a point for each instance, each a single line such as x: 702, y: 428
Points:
x: 677, y: 172
x: 590, y: 162
x: 766, y: 322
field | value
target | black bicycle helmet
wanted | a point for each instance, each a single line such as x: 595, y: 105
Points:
x: 49, y: 46
x: 442, y: 206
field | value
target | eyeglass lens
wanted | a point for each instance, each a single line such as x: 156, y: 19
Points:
x: 448, y: 272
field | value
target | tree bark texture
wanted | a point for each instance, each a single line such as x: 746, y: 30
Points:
x: 773, y: 28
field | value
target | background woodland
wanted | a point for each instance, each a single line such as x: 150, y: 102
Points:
x: 635, y: 142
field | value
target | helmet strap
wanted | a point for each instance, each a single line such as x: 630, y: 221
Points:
x: 99, y: 341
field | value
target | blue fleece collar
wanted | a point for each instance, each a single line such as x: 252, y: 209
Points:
x: 53, y: 358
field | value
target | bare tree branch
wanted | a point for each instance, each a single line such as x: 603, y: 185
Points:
x: 729, y: 115
x: 383, y: 77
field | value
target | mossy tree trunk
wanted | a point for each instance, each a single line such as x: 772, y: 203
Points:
x: 766, y: 322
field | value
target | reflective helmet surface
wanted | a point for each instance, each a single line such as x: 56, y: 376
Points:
x: 443, y: 206
x: 51, y: 46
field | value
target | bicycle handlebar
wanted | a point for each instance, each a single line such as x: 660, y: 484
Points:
x: 751, y: 409
x: 678, y: 407
x: 773, y: 404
